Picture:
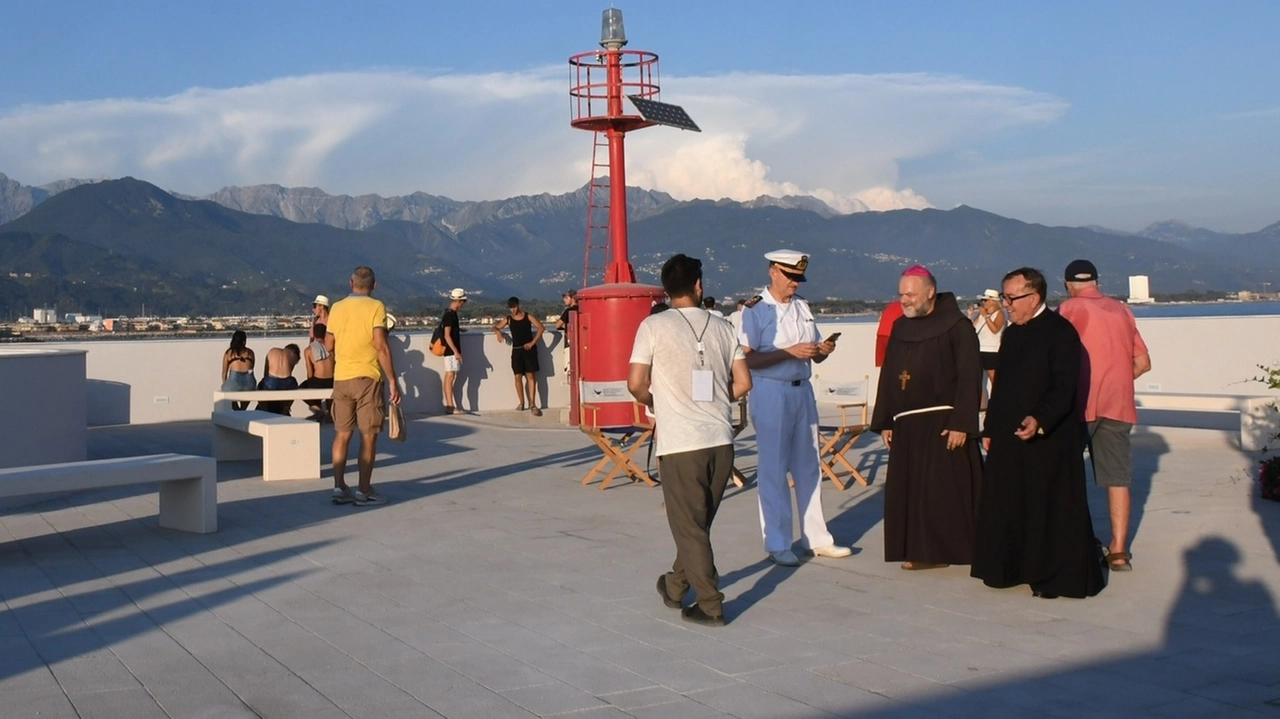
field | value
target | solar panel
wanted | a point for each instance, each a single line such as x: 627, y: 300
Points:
x: 662, y: 113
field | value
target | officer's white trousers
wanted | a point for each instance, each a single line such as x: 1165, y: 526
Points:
x: 786, y: 424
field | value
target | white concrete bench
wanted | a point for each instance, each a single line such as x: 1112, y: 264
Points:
x: 188, y: 484
x: 223, y: 400
x: 289, y: 447
x: 1258, y: 420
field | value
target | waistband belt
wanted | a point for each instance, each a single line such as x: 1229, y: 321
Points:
x: 791, y: 382
x: 922, y: 410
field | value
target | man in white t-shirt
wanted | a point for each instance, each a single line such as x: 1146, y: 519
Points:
x: 687, y: 365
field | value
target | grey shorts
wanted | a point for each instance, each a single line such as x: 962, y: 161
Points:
x: 1109, y: 451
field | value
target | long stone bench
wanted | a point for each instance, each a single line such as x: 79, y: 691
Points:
x: 188, y: 484
x: 1258, y: 419
x: 289, y: 447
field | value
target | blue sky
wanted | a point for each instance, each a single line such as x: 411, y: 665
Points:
x: 1109, y: 113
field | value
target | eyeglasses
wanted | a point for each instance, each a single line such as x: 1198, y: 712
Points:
x: 1010, y: 299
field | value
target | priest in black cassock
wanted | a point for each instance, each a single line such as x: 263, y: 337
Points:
x: 927, y: 414
x: 1033, y: 519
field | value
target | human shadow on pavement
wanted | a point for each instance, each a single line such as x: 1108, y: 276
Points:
x: 1217, y: 658
x: 419, y: 384
x: 851, y: 525
x: 771, y: 576
x: 455, y: 479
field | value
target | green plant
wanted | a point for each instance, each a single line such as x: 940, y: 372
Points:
x: 1269, y: 468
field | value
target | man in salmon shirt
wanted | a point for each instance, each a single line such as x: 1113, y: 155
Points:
x: 1114, y: 356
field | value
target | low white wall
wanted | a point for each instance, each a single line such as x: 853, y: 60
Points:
x: 168, y: 380
x: 148, y: 381
x: 45, y: 398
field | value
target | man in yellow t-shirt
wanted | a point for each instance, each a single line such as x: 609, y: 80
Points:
x: 357, y: 337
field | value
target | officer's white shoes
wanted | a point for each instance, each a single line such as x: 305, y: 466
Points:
x: 785, y: 558
x: 832, y: 551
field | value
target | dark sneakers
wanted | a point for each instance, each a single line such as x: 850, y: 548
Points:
x: 666, y: 598
x: 697, y: 616
x: 693, y: 613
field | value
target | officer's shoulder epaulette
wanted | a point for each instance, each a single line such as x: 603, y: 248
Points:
x: 752, y: 302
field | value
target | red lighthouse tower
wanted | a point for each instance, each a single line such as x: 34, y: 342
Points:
x: 609, y: 313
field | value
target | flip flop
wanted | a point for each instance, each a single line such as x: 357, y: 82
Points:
x: 1119, y: 561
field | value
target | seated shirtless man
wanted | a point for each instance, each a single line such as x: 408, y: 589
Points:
x: 279, y: 375
x: 319, y: 359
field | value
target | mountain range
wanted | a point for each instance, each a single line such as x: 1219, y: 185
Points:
x: 109, y: 246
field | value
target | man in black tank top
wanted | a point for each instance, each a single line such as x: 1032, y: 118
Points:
x: 526, y: 331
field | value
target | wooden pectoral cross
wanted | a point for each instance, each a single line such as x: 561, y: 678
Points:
x: 905, y: 377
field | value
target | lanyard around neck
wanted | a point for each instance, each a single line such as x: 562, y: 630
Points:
x: 698, y: 335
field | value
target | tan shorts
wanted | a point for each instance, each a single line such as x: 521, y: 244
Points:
x: 358, y: 402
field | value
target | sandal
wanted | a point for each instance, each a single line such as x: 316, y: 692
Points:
x: 911, y: 566
x: 520, y: 408
x: 536, y: 412
x: 1119, y: 561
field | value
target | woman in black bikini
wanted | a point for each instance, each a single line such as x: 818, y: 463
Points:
x: 237, y: 368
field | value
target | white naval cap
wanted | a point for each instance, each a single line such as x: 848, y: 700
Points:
x: 791, y: 262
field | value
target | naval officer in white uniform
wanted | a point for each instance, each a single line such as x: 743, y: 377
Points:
x: 781, y: 342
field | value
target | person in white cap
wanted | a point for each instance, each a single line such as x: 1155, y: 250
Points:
x: 988, y: 321
x: 781, y: 341
x: 319, y: 315
x: 452, y: 346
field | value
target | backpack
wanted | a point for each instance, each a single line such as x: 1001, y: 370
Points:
x: 437, y: 345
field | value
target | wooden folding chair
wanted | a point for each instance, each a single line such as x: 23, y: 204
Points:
x: 837, y: 438
x: 739, y: 424
x: 618, y: 445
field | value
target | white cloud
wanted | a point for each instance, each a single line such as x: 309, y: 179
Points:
x: 840, y: 138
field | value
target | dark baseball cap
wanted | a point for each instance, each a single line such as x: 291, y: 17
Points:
x: 1081, y: 271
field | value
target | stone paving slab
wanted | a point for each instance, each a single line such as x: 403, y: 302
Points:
x: 495, y: 585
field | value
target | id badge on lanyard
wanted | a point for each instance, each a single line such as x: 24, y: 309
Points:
x: 703, y: 380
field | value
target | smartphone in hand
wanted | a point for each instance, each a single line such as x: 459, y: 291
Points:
x: 834, y: 336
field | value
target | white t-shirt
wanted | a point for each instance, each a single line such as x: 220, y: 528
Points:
x: 668, y: 343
